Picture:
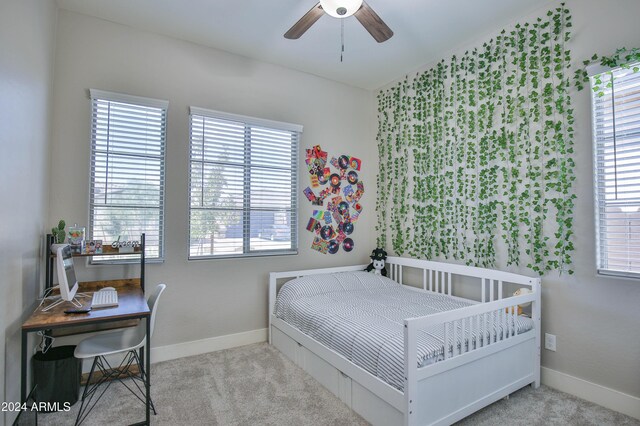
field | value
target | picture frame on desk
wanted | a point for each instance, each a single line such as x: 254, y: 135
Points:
x: 93, y: 247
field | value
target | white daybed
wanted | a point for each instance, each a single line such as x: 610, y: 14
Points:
x: 468, y: 378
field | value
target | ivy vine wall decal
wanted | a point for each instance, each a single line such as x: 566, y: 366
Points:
x: 476, y: 154
x: 623, y: 58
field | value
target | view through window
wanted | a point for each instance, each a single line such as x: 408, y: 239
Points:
x: 128, y: 136
x: 242, y: 186
x: 616, y: 121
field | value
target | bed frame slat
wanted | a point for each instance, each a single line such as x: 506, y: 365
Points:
x: 445, y: 345
x: 424, y: 279
x: 454, y: 337
x: 463, y: 338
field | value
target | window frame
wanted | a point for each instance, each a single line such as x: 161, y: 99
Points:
x: 594, y: 71
x: 248, y: 121
x: 138, y: 101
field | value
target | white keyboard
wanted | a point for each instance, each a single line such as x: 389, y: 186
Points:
x: 104, y: 299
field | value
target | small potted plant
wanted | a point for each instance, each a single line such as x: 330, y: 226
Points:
x: 58, y: 235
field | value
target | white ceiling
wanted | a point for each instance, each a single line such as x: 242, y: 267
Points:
x: 425, y: 30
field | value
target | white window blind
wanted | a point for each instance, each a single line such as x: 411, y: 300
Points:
x: 242, y: 186
x: 128, y: 135
x: 616, y: 123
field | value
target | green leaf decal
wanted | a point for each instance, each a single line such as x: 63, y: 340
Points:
x: 476, y: 154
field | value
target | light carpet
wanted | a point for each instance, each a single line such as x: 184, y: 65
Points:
x: 257, y: 385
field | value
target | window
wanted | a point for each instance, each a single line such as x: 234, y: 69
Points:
x: 242, y: 186
x: 128, y: 135
x: 616, y: 126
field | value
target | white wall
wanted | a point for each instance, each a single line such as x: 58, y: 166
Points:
x: 596, y: 319
x: 205, y: 298
x: 27, y: 33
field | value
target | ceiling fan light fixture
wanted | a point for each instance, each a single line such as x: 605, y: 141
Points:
x: 340, y: 8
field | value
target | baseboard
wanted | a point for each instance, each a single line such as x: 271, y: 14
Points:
x: 598, y: 394
x: 197, y: 347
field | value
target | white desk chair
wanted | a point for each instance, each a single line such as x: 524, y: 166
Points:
x: 127, y: 340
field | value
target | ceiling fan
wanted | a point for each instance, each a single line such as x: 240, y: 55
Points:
x: 343, y: 9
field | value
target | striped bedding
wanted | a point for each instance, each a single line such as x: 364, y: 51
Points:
x: 360, y: 315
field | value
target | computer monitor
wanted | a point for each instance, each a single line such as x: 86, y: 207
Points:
x: 66, y: 274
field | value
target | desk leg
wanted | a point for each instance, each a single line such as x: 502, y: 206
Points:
x: 147, y: 362
x: 23, y: 368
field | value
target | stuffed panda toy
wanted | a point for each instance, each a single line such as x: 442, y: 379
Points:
x: 378, y: 257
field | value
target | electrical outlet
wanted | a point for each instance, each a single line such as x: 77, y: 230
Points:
x: 550, y: 341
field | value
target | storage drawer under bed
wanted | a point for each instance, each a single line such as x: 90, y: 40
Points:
x: 375, y: 410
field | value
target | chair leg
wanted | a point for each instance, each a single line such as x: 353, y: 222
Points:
x: 88, y: 394
x: 143, y: 375
x: 108, y: 375
x: 125, y: 369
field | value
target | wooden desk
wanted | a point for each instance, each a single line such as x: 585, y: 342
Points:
x: 132, y: 305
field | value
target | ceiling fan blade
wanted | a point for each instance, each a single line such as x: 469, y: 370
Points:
x: 305, y: 22
x: 372, y: 23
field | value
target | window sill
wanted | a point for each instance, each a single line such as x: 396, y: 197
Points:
x: 245, y: 255
x: 618, y: 274
x: 132, y: 261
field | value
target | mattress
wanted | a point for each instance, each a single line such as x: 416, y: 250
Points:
x: 361, y: 315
